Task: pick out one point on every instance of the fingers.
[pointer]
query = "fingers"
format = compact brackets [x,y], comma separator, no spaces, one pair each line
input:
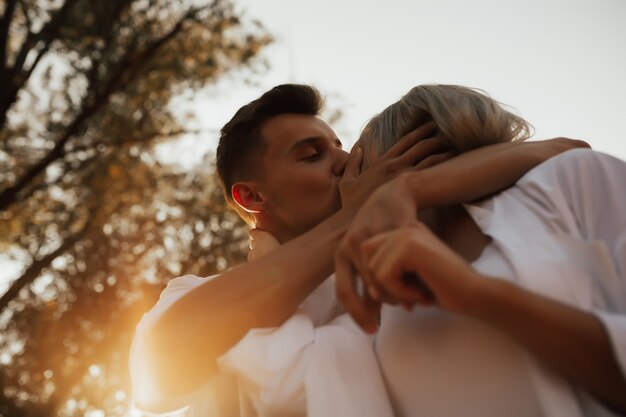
[363,312]
[391,257]
[373,309]
[388,266]
[411,279]
[374,291]
[386,263]
[410,139]
[353,249]
[421,151]
[354,163]
[433,160]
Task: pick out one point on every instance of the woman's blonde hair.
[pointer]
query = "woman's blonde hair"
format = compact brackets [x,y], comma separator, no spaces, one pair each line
[466,119]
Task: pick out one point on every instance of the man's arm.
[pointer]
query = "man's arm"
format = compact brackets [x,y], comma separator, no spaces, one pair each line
[185,341]
[192,333]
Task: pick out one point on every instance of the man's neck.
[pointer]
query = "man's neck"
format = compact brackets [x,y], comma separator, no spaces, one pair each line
[283,233]
[280,234]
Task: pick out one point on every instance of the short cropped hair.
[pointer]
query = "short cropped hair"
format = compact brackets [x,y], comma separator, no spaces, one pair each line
[241,146]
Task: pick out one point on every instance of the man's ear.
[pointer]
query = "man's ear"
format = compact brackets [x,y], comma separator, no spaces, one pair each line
[247,196]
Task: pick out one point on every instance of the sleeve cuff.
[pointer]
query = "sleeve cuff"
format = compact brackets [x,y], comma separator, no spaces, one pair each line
[300,369]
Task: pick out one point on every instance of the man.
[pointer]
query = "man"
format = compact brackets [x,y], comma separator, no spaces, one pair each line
[284,170]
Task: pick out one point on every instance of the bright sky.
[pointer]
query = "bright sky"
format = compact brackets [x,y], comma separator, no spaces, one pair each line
[560,63]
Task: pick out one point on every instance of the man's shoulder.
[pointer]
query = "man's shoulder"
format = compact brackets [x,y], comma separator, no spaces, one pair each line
[185,282]
[189,279]
[174,290]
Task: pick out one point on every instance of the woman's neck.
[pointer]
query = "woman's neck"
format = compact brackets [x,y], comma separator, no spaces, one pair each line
[458,230]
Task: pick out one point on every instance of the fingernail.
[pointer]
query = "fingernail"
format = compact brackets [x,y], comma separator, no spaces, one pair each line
[371,328]
[373,292]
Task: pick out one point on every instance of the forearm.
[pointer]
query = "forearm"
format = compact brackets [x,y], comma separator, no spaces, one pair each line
[571,341]
[211,318]
[482,172]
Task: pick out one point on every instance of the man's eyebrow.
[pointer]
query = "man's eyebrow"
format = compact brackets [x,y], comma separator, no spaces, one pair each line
[303,142]
[310,141]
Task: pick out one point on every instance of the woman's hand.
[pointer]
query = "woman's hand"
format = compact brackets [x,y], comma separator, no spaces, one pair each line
[412,265]
[398,258]
[389,207]
[417,150]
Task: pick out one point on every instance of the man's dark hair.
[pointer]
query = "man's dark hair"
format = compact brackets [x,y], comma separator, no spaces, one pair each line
[241,144]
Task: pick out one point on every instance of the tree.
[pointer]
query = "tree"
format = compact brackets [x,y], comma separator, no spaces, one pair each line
[98,222]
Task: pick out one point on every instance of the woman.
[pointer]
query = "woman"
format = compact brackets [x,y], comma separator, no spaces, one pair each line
[547,336]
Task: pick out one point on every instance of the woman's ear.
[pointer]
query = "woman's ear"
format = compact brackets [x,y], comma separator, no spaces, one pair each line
[247,196]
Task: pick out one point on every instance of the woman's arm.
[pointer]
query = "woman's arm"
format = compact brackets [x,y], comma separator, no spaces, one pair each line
[476,174]
[571,341]
[482,172]
[587,347]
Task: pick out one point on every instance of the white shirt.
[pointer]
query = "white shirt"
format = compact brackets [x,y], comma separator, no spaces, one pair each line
[437,363]
[561,232]
[319,363]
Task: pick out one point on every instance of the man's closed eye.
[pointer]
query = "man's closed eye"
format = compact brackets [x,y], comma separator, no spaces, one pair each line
[313,156]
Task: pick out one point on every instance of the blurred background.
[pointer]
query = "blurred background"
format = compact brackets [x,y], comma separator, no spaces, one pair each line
[109,117]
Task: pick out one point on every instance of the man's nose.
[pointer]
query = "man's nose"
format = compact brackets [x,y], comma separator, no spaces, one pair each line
[339,165]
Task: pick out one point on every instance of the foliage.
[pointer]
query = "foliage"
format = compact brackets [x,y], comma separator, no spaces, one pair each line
[98,222]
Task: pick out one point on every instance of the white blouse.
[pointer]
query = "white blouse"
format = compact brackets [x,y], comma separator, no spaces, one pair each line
[560,232]
[440,364]
[319,363]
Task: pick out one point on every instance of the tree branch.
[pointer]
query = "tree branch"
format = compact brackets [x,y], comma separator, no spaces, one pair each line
[34,270]
[127,70]
[5,23]
[92,74]
[28,192]
[48,33]
[15,76]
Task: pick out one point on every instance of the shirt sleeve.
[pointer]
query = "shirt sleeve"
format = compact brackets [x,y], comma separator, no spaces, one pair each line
[593,186]
[299,369]
[145,396]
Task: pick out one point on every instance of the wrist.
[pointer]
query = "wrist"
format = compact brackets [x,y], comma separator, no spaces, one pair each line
[416,184]
[404,185]
[344,216]
[490,295]
[339,222]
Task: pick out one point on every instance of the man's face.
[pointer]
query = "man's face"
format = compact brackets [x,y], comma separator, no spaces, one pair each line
[302,165]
